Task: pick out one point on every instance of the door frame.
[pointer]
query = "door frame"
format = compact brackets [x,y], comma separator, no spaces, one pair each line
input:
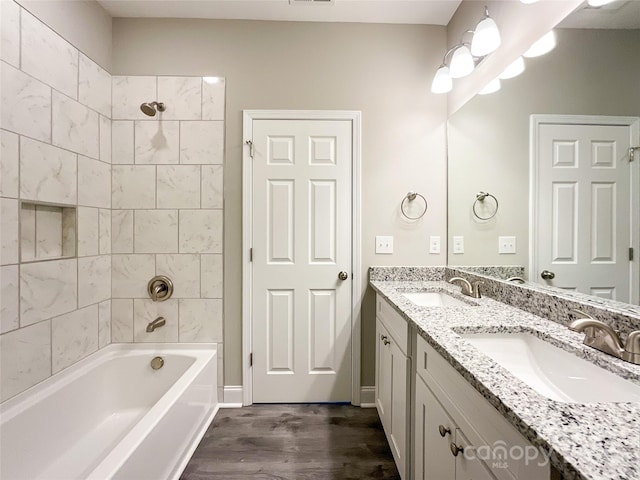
[248,116]
[633,123]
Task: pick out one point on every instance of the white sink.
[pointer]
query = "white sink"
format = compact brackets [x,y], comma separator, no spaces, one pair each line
[434,299]
[553,372]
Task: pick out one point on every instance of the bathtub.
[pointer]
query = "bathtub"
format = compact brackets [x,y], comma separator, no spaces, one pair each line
[112,416]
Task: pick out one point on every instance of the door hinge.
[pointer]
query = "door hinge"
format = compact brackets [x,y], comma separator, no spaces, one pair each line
[251,359]
[250,144]
[251,254]
[631,254]
[632,153]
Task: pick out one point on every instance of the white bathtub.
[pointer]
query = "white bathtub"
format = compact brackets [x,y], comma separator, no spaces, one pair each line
[112,416]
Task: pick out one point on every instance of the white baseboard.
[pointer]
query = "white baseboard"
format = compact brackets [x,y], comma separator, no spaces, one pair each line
[232,397]
[368,397]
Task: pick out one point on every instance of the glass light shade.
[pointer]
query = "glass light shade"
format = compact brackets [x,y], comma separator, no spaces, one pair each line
[542,46]
[599,3]
[442,82]
[486,38]
[528,1]
[212,80]
[513,70]
[462,63]
[492,87]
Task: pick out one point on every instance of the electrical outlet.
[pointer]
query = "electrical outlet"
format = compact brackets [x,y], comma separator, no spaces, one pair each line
[384,244]
[458,244]
[506,244]
[434,244]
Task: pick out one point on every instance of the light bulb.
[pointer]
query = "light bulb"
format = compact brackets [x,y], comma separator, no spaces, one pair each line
[492,87]
[442,82]
[462,63]
[486,37]
[542,46]
[599,3]
[513,70]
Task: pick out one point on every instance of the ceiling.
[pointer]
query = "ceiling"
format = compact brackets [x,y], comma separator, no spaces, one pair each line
[429,12]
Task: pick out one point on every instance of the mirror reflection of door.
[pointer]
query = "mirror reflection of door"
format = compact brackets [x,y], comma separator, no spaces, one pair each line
[585,204]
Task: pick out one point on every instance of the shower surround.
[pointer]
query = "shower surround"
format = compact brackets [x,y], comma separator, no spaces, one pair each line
[144,195]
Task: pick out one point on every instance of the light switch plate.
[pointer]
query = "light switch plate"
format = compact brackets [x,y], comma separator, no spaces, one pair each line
[434,244]
[384,244]
[458,244]
[506,245]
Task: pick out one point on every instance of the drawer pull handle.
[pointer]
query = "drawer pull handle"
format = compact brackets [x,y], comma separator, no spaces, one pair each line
[444,431]
[455,449]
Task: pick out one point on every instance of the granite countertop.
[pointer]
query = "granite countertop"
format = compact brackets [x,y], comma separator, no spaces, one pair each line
[594,441]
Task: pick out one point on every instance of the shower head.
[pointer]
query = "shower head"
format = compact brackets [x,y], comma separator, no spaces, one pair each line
[150,108]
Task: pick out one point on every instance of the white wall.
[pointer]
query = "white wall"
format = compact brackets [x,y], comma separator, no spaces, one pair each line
[383,70]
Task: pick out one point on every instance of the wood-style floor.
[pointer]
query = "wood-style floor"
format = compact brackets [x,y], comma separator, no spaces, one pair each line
[293,442]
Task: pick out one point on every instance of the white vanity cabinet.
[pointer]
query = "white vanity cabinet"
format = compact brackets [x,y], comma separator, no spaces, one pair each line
[392,374]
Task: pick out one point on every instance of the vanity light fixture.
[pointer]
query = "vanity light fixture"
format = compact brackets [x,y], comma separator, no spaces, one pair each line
[442,82]
[486,36]
[492,87]
[527,2]
[542,46]
[513,70]
[599,3]
[462,63]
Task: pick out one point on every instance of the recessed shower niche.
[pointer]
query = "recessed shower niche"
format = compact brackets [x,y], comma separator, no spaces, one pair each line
[47,231]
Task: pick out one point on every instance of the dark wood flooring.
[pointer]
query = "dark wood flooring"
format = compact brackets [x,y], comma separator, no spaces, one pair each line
[293,442]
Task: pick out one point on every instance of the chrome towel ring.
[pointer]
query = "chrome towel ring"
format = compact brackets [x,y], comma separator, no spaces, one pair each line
[411,196]
[481,197]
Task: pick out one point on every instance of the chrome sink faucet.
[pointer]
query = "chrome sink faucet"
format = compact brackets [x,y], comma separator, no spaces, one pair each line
[602,337]
[467,289]
[157,323]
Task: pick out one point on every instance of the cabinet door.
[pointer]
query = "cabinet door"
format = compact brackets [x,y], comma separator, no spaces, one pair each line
[398,405]
[468,467]
[383,376]
[433,459]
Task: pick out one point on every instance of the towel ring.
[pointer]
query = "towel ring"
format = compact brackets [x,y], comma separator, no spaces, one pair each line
[480,197]
[411,196]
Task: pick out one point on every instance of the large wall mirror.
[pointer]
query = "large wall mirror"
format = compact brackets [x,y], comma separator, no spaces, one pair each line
[591,77]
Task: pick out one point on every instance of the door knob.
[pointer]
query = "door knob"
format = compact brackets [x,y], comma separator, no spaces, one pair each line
[443,430]
[456,449]
[547,275]
[343,275]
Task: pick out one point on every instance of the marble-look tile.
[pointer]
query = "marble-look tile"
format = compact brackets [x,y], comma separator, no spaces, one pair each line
[9,298]
[104,323]
[121,320]
[88,231]
[69,232]
[73,337]
[200,231]
[94,87]
[202,142]
[105,139]
[211,275]
[9,231]
[122,142]
[213,98]
[182,95]
[48,57]
[25,358]
[10,32]
[178,186]
[26,104]
[128,92]
[94,183]
[122,231]
[157,142]
[47,289]
[27,231]
[74,126]
[200,320]
[48,232]
[104,231]
[212,186]
[9,163]
[155,231]
[48,174]
[130,275]
[184,271]
[94,280]
[145,311]
[133,186]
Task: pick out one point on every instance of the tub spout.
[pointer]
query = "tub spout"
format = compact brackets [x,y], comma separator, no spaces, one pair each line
[157,323]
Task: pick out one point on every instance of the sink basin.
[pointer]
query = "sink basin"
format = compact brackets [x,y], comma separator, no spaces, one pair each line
[553,372]
[434,299]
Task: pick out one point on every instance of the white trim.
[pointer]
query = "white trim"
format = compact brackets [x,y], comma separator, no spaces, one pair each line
[232,396]
[248,116]
[634,125]
[368,396]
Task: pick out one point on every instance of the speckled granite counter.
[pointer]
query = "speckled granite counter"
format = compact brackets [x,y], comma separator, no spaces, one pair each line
[585,441]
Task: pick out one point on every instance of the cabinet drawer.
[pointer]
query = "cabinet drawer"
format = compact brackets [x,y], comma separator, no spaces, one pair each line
[395,324]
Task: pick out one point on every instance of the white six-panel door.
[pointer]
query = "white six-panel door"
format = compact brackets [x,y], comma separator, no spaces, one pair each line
[301,306]
[585,208]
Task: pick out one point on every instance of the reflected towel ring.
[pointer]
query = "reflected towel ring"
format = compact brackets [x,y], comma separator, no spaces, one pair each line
[480,197]
[411,196]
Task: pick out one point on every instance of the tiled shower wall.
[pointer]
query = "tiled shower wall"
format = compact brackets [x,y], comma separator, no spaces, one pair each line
[56,157]
[167,208]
